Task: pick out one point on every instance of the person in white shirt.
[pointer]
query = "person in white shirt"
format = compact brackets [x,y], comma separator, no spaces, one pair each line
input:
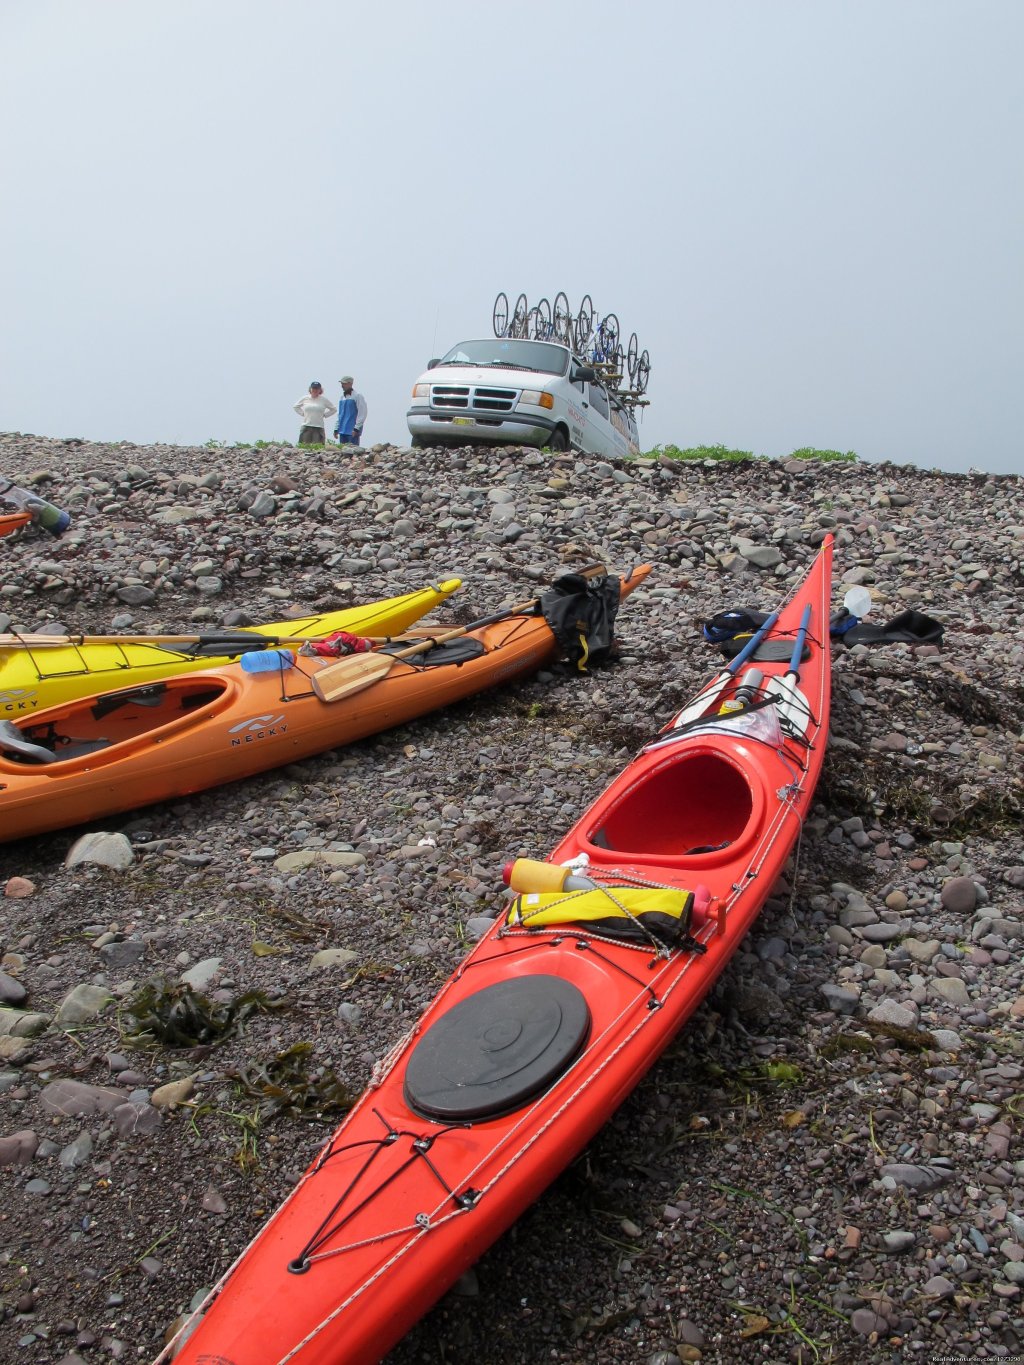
[314,409]
[346,383]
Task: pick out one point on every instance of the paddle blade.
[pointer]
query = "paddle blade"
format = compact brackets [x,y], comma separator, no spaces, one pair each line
[351,675]
[790,703]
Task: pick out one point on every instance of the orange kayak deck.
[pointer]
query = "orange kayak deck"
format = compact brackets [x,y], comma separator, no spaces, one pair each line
[542,1031]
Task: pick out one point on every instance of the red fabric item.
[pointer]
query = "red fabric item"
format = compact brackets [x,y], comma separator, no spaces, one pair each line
[341,642]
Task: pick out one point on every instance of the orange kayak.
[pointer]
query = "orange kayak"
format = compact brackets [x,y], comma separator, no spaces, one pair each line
[116,751]
[549,1023]
[13,521]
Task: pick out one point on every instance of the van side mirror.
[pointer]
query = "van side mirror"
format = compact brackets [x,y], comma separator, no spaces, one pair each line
[586,372]
[433,364]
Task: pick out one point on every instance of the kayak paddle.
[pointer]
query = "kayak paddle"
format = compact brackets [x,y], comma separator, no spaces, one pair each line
[358,671]
[790,702]
[721,681]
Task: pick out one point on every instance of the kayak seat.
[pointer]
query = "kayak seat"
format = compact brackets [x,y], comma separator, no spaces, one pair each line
[699,805]
[77,748]
[14,744]
[497,1050]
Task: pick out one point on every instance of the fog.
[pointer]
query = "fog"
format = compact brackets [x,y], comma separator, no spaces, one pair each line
[809,212]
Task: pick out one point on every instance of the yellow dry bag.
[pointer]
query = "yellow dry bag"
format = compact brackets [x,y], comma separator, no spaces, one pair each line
[628,912]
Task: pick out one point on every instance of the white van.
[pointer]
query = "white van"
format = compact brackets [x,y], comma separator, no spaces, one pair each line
[504,391]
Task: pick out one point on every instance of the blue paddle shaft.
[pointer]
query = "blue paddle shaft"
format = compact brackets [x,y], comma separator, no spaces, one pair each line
[755,639]
[801,636]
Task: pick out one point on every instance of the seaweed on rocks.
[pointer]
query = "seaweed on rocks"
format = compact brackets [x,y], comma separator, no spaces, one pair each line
[287,1084]
[295,925]
[174,1015]
[873,1035]
[852,783]
[960,698]
[924,801]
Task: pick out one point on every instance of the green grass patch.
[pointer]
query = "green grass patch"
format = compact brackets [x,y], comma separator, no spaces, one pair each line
[720,452]
[700,453]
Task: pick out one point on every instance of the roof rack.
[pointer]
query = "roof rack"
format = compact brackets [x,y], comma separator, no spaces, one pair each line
[596,343]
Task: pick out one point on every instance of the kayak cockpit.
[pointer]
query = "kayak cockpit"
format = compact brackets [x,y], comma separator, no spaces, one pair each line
[699,807]
[93,725]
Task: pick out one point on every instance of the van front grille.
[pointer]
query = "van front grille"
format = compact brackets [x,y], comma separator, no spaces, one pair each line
[466,398]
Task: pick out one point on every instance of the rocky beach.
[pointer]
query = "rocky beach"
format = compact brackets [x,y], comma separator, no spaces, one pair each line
[827,1164]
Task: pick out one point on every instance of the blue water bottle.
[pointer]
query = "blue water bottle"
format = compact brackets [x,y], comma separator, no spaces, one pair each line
[267,660]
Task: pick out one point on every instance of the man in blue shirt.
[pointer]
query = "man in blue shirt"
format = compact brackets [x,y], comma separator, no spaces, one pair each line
[350,419]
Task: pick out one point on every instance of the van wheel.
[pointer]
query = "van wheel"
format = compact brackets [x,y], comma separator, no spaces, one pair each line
[559,439]
[418,442]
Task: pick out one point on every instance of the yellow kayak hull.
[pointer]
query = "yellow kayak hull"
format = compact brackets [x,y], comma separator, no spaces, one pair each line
[33,677]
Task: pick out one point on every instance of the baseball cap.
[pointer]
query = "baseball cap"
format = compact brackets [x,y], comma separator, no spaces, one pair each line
[315,384]
[346,379]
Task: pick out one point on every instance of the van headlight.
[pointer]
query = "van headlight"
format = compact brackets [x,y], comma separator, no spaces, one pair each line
[537,398]
[421,391]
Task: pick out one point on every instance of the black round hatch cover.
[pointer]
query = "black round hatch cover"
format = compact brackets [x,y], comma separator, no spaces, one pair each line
[492,1053]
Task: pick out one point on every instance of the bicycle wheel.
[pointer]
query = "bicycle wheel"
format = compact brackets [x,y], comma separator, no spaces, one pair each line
[500,315]
[618,362]
[519,316]
[584,323]
[643,372]
[610,331]
[561,319]
[542,327]
[631,356]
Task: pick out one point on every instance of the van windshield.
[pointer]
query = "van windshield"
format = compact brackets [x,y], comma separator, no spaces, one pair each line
[516,355]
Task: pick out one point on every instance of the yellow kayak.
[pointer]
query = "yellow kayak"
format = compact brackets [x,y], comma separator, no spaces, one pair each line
[36,675]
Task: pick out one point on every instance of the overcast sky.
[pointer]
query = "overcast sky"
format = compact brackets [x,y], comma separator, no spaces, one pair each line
[810,211]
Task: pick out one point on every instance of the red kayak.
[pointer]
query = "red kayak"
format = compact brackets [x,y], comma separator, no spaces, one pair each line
[585,977]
